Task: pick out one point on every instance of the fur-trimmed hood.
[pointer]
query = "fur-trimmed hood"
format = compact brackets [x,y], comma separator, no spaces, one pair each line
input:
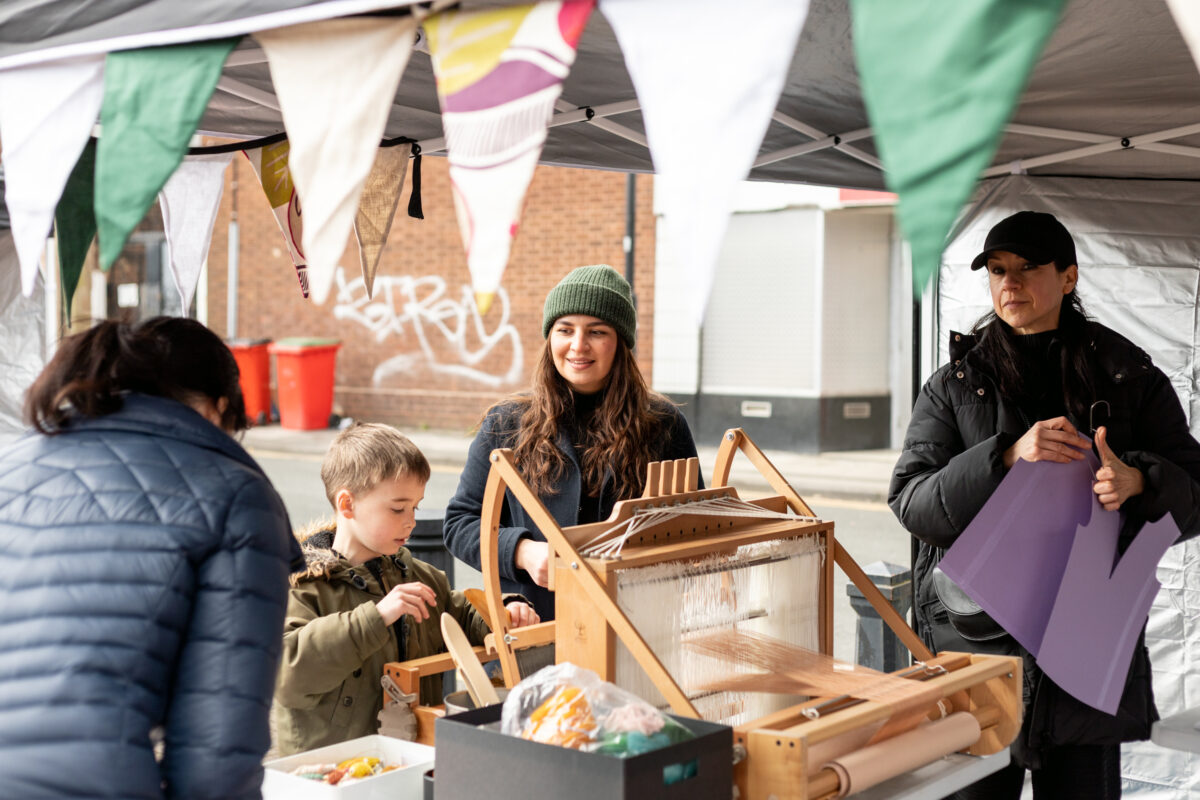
[322,562]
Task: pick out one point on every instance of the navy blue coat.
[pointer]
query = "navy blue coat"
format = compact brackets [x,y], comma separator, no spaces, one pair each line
[461,529]
[144,562]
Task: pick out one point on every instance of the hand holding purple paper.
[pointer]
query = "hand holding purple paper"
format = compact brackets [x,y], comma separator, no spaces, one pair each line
[1116,481]
[1039,558]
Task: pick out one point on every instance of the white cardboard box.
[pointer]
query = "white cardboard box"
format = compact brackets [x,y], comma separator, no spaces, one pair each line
[401,784]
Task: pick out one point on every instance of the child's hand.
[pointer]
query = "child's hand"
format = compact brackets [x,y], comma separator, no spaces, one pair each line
[521,614]
[407,598]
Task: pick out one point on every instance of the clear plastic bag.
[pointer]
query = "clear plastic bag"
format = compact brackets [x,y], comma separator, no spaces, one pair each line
[569,706]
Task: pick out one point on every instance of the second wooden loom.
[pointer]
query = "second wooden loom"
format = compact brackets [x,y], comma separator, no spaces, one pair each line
[789,749]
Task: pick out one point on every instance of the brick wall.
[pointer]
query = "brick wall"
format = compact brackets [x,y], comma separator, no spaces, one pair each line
[413,354]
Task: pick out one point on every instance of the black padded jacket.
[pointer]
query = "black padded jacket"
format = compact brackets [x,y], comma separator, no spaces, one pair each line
[953,461]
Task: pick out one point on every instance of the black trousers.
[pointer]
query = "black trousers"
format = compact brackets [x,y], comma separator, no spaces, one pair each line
[1080,772]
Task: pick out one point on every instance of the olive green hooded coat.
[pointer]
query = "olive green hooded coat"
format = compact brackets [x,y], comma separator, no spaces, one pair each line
[335,643]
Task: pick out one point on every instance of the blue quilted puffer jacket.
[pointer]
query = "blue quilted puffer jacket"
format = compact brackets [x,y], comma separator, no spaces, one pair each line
[144,562]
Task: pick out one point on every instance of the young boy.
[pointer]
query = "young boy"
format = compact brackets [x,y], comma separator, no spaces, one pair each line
[363,600]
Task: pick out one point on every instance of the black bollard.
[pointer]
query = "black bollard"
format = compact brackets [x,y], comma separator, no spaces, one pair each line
[876,646]
[427,544]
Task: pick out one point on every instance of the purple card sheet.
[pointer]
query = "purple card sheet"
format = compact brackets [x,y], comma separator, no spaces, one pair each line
[1011,557]
[1100,610]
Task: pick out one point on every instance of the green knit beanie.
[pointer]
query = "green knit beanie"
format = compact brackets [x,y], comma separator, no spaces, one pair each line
[597,291]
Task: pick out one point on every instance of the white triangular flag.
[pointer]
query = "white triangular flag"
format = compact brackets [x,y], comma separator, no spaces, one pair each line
[189,205]
[377,207]
[1187,19]
[47,113]
[336,81]
[707,99]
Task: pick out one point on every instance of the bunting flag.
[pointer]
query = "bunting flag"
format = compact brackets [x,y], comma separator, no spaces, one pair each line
[23,332]
[707,99]
[336,81]
[189,204]
[46,117]
[1187,19]
[271,166]
[377,207]
[938,118]
[75,222]
[153,101]
[499,73]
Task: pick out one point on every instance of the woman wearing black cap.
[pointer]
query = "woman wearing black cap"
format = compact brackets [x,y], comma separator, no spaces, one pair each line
[581,437]
[1034,373]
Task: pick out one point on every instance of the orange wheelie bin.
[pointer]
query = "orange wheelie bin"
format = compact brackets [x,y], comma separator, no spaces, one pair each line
[304,370]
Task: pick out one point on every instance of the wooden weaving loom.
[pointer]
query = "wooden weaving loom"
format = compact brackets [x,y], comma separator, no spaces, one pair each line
[826,741]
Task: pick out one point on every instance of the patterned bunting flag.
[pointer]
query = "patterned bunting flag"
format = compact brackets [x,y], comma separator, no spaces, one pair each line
[75,222]
[377,207]
[47,113]
[499,72]
[1187,19]
[707,99]
[189,205]
[271,165]
[336,81]
[938,116]
[153,101]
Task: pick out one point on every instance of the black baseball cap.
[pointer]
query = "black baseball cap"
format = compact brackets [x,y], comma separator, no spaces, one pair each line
[1033,235]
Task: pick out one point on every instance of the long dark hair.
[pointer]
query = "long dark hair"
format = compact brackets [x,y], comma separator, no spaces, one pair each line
[163,356]
[999,349]
[621,435]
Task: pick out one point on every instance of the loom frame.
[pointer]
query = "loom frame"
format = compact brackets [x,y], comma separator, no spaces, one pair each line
[770,752]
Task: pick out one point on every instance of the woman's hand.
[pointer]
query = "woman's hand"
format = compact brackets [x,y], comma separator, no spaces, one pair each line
[534,558]
[1116,481]
[407,598]
[1049,440]
[521,614]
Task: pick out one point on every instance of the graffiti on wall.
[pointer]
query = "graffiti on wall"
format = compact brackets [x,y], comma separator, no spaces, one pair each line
[420,311]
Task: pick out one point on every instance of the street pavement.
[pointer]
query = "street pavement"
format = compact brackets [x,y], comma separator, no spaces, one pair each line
[856,475]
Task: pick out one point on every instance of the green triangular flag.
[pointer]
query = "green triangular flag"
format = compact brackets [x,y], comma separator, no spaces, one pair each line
[75,222]
[153,101]
[940,80]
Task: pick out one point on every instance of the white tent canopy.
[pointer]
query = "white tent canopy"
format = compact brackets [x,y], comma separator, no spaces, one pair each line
[1115,93]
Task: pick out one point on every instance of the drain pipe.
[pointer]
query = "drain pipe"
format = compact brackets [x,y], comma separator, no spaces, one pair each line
[231,275]
[630,229]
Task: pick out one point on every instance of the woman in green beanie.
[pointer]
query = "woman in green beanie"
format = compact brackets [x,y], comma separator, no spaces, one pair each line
[582,435]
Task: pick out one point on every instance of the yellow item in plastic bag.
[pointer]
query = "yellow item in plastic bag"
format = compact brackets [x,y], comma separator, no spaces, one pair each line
[564,719]
[359,767]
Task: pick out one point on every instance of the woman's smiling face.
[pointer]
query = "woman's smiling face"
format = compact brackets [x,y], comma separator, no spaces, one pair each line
[1028,296]
[583,349]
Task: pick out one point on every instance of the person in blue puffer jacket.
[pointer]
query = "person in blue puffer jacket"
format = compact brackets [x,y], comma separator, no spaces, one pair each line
[144,561]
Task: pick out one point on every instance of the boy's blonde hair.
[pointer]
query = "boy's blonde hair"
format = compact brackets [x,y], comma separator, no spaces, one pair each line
[368,453]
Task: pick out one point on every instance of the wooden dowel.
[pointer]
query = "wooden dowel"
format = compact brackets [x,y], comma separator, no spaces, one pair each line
[825,782]
[692,479]
[653,475]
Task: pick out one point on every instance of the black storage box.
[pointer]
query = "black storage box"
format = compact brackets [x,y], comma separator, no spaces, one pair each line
[474,759]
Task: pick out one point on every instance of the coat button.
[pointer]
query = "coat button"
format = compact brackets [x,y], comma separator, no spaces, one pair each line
[347,701]
[979,391]
[358,672]
[958,337]
[958,375]
[1118,376]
